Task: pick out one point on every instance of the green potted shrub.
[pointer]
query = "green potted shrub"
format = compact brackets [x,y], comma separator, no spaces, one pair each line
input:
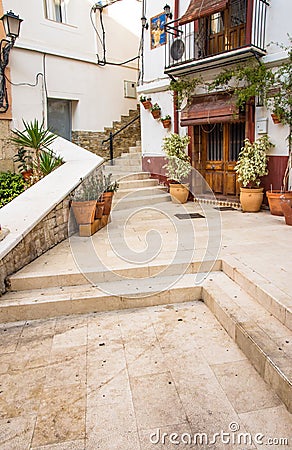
[84,202]
[155,111]
[178,166]
[250,167]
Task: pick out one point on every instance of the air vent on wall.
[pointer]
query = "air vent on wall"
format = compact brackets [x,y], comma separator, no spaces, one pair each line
[177,49]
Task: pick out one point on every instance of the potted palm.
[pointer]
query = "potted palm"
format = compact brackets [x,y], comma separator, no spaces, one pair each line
[251,166]
[34,136]
[177,167]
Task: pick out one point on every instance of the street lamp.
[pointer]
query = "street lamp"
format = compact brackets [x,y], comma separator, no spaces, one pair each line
[144,23]
[167,11]
[11,24]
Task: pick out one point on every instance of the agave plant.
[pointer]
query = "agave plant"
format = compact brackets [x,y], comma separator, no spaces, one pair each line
[49,161]
[34,136]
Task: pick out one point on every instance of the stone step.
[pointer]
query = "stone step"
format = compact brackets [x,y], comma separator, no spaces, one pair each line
[133,155]
[127,162]
[133,184]
[277,302]
[264,340]
[120,172]
[137,192]
[29,281]
[130,202]
[135,149]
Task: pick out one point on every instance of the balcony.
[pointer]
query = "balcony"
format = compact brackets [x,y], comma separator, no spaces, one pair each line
[207,37]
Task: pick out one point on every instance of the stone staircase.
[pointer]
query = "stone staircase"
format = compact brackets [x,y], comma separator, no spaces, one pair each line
[136,188]
[92,140]
[262,334]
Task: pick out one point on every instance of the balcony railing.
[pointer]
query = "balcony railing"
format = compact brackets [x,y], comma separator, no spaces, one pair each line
[241,26]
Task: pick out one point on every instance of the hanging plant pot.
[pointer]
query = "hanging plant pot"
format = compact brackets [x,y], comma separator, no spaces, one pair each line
[251,199]
[179,192]
[147,104]
[276,119]
[84,212]
[166,123]
[156,113]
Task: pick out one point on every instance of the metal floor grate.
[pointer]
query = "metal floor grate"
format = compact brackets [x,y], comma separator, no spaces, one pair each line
[189,216]
[224,208]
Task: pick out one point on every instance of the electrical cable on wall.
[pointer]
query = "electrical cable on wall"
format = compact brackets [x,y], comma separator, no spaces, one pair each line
[103,61]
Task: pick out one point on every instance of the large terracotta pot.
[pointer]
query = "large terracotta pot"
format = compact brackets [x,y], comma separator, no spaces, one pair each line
[99,210]
[286,206]
[251,199]
[107,198]
[179,192]
[84,212]
[275,201]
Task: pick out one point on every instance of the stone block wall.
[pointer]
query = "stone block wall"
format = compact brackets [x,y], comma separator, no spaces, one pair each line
[51,230]
[7,148]
[92,140]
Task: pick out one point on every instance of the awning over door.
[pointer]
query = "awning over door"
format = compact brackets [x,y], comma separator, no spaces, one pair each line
[202,8]
[213,108]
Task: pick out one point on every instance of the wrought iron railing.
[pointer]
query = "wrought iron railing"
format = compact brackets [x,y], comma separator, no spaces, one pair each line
[197,40]
[112,135]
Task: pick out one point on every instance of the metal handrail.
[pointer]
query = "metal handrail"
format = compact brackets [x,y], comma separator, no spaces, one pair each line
[112,135]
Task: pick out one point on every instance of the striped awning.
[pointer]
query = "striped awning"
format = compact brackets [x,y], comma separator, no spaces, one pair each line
[211,108]
[202,8]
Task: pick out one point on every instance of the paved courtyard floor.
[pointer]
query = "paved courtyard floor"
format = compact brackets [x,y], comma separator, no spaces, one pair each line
[129,380]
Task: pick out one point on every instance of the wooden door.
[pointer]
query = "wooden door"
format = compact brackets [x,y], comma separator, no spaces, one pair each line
[216,156]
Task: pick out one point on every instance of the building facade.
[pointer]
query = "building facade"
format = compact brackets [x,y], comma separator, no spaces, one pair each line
[202,38]
[64,68]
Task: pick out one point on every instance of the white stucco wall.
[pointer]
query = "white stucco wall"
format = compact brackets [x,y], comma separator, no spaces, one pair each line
[71,64]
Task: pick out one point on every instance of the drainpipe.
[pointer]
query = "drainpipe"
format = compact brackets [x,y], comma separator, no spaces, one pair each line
[175,112]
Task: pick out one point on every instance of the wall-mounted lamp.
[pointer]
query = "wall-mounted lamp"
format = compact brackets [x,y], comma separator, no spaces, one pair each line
[167,11]
[103,4]
[144,23]
[11,24]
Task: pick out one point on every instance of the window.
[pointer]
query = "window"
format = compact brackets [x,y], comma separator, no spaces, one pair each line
[217,23]
[56,10]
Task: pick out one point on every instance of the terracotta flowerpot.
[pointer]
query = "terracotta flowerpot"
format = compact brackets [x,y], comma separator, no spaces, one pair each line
[156,113]
[107,198]
[147,104]
[276,119]
[275,201]
[166,123]
[84,212]
[27,174]
[179,192]
[287,210]
[99,210]
[251,199]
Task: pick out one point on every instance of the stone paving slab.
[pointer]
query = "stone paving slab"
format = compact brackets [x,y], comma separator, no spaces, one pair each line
[114,380]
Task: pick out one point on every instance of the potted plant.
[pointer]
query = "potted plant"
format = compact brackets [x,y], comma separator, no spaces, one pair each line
[250,167]
[286,206]
[178,166]
[34,136]
[25,165]
[155,111]
[84,202]
[146,102]
[110,187]
[166,121]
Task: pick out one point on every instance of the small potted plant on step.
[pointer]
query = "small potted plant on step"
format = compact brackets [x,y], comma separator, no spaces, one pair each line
[84,202]
[251,166]
[155,111]
[177,167]
[166,121]
[146,102]
[110,187]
